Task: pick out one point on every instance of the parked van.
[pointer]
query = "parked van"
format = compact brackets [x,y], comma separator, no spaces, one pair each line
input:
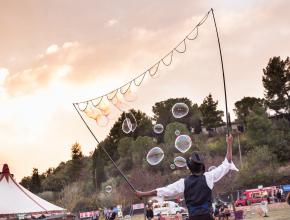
[166,208]
[252,196]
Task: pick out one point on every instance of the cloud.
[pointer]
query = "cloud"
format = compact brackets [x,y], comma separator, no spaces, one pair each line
[52,49]
[111,23]
[79,63]
[3,74]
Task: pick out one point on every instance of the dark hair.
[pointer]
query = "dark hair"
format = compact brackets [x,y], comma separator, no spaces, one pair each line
[196,167]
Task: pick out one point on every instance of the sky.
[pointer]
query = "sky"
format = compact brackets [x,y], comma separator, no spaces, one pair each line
[54,53]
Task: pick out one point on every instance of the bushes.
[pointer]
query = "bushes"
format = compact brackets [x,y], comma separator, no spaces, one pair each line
[259,166]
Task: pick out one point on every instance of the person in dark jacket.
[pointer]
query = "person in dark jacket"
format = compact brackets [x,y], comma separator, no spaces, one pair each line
[149,212]
[197,188]
[113,214]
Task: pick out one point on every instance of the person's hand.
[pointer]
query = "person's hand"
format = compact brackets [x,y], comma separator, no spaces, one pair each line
[230,139]
[139,194]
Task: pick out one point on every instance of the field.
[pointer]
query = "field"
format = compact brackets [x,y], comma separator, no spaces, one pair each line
[276,212]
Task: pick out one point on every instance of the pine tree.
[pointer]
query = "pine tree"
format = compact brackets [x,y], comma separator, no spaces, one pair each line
[276,81]
[76,162]
[35,185]
[211,117]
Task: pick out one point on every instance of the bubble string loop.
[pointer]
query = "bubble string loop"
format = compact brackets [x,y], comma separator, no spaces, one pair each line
[148,71]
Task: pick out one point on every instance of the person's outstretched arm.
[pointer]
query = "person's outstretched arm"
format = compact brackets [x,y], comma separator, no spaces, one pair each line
[229,148]
[216,174]
[141,194]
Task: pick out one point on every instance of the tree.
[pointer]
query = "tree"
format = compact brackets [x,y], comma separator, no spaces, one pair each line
[76,151]
[54,182]
[35,185]
[280,139]
[260,166]
[140,148]
[245,106]
[276,81]
[98,164]
[258,127]
[26,182]
[76,162]
[170,135]
[144,128]
[211,117]
[125,147]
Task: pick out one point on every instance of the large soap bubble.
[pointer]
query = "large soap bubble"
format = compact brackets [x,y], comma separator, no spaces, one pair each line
[183,143]
[130,96]
[158,128]
[102,120]
[127,126]
[108,189]
[155,156]
[179,161]
[179,110]
[132,120]
[211,168]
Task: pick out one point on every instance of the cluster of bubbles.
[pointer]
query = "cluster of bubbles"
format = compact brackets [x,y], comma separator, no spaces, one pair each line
[182,142]
[102,108]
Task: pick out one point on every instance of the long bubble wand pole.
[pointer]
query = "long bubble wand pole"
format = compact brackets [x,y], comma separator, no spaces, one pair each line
[111,159]
[223,72]
[225,93]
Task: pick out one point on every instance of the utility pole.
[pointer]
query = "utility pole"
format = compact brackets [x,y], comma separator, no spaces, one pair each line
[240,152]
[96,178]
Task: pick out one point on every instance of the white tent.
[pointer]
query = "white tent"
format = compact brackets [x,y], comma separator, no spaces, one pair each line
[15,199]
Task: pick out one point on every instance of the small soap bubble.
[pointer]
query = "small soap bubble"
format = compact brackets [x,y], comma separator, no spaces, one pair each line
[158,128]
[127,126]
[179,110]
[108,189]
[172,166]
[183,143]
[179,161]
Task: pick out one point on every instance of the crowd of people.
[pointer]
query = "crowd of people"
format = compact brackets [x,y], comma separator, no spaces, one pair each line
[108,214]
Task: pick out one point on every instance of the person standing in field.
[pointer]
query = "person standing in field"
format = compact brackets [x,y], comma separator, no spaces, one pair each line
[197,188]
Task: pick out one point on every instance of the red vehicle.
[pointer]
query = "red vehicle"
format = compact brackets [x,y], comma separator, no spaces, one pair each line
[255,196]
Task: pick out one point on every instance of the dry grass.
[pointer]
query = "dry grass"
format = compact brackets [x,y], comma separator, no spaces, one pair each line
[276,212]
